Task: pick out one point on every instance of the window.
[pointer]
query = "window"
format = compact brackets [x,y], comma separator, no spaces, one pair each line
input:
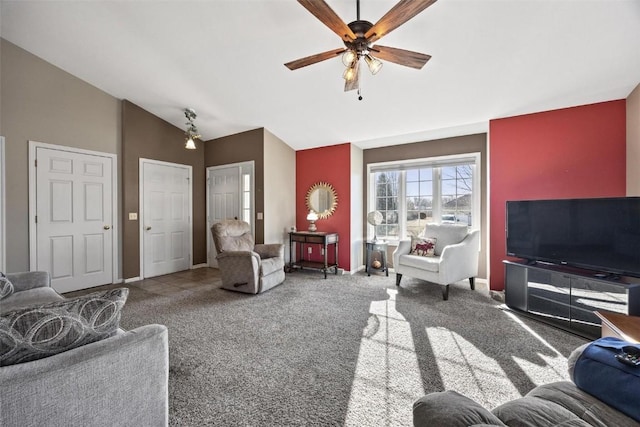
[411,194]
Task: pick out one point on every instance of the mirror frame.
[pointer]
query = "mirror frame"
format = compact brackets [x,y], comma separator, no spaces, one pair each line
[334,199]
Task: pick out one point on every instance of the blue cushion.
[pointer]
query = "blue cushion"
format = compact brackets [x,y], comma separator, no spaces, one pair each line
[599,373]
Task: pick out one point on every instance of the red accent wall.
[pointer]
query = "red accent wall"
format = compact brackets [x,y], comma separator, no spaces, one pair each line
[576,152]
[331,164]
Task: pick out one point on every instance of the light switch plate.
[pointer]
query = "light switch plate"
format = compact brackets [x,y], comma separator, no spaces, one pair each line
[133,216]
[259,215]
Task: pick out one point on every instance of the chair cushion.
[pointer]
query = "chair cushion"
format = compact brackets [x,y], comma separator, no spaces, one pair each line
[43,330]
[446,234]
[232,235]
[421,262]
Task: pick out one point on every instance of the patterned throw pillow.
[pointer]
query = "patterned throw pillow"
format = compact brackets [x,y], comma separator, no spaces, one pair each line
[40,331]
[6,287]
[423,246]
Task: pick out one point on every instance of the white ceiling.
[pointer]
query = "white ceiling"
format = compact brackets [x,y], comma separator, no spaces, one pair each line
[224,58]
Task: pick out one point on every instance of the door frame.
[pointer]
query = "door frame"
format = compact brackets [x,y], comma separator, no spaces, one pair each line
[239,165]
[33,237]
[141,163]
[3,205]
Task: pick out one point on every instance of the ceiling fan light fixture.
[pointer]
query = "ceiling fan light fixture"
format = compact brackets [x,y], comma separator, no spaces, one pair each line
[192,131]
[350,73]
[348,57]
[374,64]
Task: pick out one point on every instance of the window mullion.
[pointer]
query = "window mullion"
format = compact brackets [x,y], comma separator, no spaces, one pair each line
[437,194]
[402,205]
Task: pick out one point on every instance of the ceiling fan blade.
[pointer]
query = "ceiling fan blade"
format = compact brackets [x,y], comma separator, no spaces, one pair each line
[308,60]
[355,82]
[407,58]
[398,15]
[328,17]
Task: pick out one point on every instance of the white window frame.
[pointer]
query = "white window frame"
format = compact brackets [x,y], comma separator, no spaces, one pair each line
[434,162]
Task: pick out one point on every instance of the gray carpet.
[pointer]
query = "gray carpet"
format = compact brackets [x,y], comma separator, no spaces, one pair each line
[349,350]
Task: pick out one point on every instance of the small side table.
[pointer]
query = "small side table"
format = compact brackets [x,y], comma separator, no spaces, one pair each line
[620,325]
[372,248]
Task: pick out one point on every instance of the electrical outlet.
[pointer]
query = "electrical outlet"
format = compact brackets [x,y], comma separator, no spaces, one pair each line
[309,249]
[322,251]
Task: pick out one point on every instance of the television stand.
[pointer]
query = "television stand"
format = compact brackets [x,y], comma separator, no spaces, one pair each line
[568,297]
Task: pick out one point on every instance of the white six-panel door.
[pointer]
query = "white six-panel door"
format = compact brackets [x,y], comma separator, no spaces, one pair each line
[74,218]
[224,200]
[166,222]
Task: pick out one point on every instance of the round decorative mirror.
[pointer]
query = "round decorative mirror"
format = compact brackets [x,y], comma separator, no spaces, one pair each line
[322,199]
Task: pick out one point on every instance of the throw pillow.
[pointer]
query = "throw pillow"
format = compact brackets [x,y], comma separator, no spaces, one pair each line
[6,287]
[423,246]
[40,331]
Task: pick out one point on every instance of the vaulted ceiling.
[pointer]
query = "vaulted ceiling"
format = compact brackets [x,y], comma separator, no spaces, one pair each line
[224,58]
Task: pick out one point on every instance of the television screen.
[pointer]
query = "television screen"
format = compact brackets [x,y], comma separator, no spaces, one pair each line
[599,234]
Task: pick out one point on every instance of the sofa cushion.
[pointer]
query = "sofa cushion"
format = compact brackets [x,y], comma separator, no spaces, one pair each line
[46,329]
[451,409]
[446,234]
[421,262]
[32,297]
[6,287]
[423,246]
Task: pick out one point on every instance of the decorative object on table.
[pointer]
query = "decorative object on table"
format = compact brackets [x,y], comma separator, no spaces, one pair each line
[192,131]
[375,218]
[322,199]
[358,36]
[312,217]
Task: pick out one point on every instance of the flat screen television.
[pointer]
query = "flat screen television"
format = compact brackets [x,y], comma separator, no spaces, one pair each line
[601,234]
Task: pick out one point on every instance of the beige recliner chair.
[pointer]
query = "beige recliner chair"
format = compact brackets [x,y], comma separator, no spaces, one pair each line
[455,257]
[245,266]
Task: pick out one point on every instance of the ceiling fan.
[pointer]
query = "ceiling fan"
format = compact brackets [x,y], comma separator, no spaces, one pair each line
[358,37]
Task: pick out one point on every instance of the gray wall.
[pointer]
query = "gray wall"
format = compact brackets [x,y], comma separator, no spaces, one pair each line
[41,102]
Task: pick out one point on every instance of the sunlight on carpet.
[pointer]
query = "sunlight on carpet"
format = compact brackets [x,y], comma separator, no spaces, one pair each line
[387,375]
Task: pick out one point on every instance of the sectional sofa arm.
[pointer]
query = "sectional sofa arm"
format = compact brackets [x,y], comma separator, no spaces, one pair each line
[29,280]
[121,380]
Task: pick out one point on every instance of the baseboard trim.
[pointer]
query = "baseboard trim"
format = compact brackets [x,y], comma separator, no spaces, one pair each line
[193,267]
[132,279]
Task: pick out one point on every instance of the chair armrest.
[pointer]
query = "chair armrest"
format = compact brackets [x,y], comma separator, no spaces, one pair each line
[451,409]
[29,280]
[460,261]
[270,250]
[403,248]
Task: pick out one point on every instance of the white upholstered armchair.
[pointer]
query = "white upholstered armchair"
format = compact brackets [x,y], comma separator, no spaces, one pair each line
[245,266]
[454,256]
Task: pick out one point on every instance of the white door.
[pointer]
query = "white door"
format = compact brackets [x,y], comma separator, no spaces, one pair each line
[224,201]
[166,222]
[74,218]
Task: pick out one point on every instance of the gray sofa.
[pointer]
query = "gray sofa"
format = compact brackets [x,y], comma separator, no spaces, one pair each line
[120,380]
[556,404]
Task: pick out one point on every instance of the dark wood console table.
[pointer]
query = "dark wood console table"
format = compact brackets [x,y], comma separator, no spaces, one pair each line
[304,238]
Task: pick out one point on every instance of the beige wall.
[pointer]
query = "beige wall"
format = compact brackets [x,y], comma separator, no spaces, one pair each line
[440,147]
[357,209]
[40,102]
[633,143]
[280,194]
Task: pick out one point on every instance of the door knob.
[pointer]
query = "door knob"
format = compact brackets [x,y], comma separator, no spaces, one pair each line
[147,228]
[107,227]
